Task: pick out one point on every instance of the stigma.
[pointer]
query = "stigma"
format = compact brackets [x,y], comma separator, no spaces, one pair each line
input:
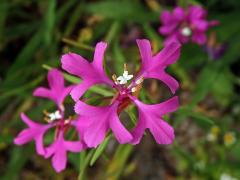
[50,117]
[122,80]
[186,31]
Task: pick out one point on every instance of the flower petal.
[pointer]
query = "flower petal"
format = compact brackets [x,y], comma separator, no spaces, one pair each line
[166,79]
[144,47]
[200,25]
[58,150]
[196,12]
[199,37]
[96,132]
[162,132]
[86,110]
[150,116]
[165,17]
[138,131]
[43,92]
[153,67]
[178,13]
[57,91]
[80,89]
[167,29]
[59,159]
[174,37]
[90,73]
[99,56]
[101,119]
[213,23]
[168,55]
[76,65]
[119,131]
[34,132]
[55,79]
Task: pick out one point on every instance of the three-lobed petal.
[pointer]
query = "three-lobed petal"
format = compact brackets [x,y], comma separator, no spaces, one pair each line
[91,73]
[154,66]
[34,132]
[57,91]
[58,151]
[101,120]
[151,117]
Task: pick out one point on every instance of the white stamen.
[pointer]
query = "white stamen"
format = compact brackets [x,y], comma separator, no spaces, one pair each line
[54,116]
[124,78]
[139,81]
[186,31]
[133,89]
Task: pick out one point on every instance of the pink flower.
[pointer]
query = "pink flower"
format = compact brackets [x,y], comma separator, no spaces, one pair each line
[185,25]
[102,119]
[57,91]
[36,131]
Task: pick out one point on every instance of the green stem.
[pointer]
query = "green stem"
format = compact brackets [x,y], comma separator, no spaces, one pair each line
[77,44]
[84,164]
[112,32]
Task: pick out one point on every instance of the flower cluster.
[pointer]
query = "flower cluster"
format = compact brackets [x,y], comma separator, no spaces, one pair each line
[186,25]
[93,122]
[36,131]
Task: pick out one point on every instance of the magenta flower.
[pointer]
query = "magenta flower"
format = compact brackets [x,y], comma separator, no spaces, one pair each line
[36,131]
[57,91]
[184,25]
[102,119]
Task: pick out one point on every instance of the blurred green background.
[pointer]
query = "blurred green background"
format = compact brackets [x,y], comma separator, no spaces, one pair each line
[35,33]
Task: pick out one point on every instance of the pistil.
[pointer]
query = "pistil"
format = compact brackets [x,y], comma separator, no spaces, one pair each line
[50,117]
[186,31]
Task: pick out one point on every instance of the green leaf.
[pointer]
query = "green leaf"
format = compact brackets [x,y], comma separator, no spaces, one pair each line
[152,34]
[16,71]
[85,164]
[3,16]
[122,10]
[118,163]
[100,150]
[201,119]
[112,32]
[18,158]
[205,82]
[75,16]
[223,88]
[49,21]
[118,57]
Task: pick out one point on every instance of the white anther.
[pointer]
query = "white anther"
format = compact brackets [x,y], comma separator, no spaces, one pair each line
[55,115]
[133,89]
[124,78]
[139,81]
[186,31]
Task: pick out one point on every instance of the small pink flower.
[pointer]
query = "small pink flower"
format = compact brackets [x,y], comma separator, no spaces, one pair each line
[185,25]
[102,119]
[57,91]
[36,131]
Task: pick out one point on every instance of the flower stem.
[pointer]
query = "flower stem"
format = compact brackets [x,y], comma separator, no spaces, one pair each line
[84,161]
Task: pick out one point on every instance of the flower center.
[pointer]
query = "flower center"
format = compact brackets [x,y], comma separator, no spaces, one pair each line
[51,117]
[186,31]
[124,89]
[124,78]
